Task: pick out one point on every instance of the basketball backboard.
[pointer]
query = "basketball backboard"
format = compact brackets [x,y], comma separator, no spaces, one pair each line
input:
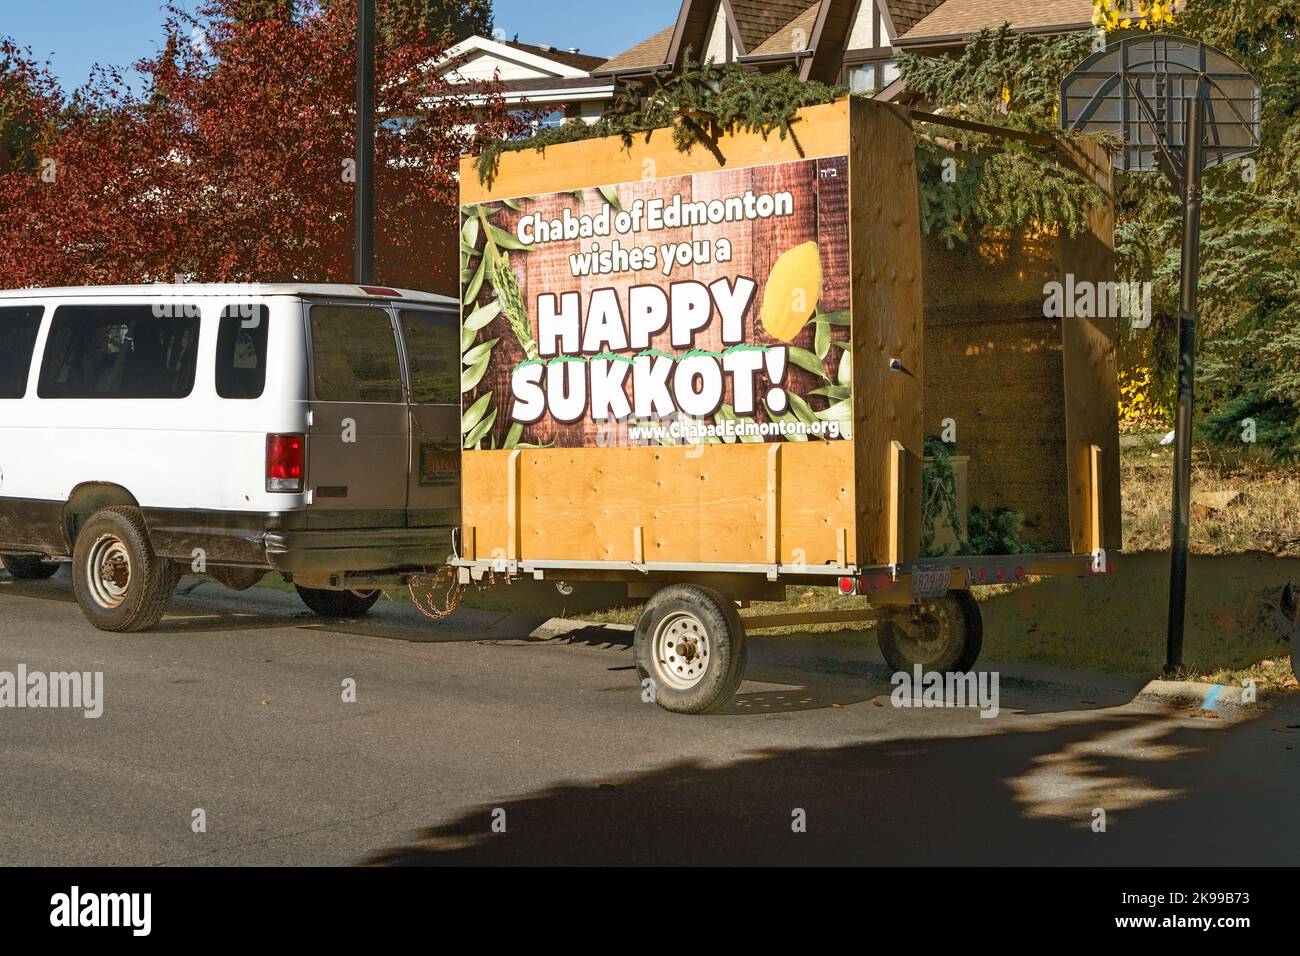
[1136,90]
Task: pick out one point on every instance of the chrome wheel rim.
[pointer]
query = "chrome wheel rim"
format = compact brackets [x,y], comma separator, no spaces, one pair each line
[108,571]
[681,650]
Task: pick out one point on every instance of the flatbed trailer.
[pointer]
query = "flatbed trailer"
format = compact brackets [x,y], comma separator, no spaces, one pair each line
[806,251]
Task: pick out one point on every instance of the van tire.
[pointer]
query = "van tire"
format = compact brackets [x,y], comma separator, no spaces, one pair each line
[337,603]
[712,625]
[26,567]
[115,540]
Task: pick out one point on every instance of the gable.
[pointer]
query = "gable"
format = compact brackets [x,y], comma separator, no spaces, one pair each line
[758,20]
[480,59]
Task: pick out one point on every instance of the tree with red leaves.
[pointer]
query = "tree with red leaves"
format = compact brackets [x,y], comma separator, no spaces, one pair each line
[235,162]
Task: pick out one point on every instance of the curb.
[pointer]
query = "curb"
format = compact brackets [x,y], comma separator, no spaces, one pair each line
[1210,698]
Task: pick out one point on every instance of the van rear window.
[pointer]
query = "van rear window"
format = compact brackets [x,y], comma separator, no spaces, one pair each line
[118,351]
[433,354]
[241,351]
[18,327]
[354,355]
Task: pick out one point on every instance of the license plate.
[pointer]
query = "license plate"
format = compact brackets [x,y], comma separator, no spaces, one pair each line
[439,465]
[929,582]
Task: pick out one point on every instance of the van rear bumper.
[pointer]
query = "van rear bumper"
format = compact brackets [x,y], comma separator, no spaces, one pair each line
[282,542]
[389,549]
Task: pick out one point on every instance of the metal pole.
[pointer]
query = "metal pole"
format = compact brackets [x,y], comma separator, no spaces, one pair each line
[1193,125]
[364,207]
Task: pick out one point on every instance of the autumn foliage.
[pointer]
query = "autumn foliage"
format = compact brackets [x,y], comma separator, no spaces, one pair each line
[231,160]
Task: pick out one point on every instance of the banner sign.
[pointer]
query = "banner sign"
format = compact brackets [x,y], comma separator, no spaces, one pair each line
[701,309]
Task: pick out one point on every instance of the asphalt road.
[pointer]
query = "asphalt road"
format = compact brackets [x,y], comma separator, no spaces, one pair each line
[235,706]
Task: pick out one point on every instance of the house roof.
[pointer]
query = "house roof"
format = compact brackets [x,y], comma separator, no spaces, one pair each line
[539,60]
[577,60]
[769,28]
[906,14]
[650,52]
[955,20]
[760,20]
[786,39]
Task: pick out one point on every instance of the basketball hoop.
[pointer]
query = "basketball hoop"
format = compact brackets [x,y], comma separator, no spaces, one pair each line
[1179,107]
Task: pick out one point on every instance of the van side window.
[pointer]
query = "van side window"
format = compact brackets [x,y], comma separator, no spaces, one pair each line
[354,355]
[119,351]
[241,351]
[433,355]
[18,327]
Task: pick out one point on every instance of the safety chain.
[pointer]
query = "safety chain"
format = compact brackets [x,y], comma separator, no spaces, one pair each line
[426,605]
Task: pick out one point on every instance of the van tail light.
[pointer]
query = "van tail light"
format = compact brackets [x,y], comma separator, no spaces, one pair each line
[285,456]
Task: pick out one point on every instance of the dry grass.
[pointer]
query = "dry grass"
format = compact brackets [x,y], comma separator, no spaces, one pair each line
[1265,517]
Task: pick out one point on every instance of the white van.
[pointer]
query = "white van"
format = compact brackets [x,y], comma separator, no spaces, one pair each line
[150,431]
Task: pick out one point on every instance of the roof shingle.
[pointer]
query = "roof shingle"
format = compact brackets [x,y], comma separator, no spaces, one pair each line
[758,20]
[964,17]
[579,61]
[786,39]
[652,51]
[908,13]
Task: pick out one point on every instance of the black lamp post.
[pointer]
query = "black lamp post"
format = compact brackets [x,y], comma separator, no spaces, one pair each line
[364,202]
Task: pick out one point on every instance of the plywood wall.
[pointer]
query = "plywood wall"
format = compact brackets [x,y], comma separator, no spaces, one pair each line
[885,270]
[1030,395]
[1091,369]
[789,503]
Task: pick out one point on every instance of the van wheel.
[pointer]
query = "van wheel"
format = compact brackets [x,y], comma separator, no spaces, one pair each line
[337,603]
[120,584]
[26,567]
[942,634]
[691,643]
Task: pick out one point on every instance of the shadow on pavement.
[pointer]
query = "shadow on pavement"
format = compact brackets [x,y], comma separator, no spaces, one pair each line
[1174,792]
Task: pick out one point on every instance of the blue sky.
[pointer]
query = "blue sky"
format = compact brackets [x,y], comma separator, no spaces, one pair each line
[75,34]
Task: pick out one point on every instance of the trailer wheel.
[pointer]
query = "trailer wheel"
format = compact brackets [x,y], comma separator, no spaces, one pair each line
[337,603]
[27,567]
[941,634]
[690,641]
[120,584]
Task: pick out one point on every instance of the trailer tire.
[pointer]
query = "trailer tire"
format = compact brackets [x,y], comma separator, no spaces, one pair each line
[120,584]
[27,567]
[338,603]
[941,634]
[707,677]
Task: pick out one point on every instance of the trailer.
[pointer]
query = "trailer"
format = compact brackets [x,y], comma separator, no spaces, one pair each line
[711,375]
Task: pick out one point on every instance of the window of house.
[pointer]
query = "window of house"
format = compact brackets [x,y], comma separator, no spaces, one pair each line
[538,119]
[870,76]
[862,79]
